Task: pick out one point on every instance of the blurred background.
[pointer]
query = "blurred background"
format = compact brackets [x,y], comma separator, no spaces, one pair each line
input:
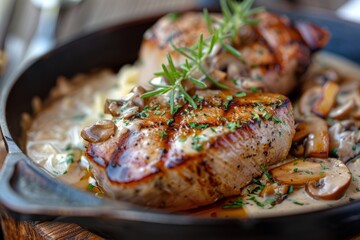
[29,28]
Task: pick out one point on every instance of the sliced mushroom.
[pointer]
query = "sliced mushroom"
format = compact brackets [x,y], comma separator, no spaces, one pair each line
[99,132]
[342,111]
[325,179]
[326,100]
[308,99]
[128,106]
[345,139]
[314,131]
[298,172]
[333,186]
[272,189]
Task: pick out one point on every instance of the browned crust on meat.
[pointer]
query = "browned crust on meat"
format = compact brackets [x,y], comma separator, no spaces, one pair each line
[221,168]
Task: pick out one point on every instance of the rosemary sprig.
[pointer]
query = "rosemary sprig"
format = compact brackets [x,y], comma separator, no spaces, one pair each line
[223,32]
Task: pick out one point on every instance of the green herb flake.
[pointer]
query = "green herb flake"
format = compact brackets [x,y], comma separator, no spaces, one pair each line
[276,119]
[323,166]
[298,203]
[170,121]
[198,126]
[238,203]
[291,189]
[69,158]
[173,16]
[68,147]
[267,115]
[257,182]
[90,187]
[163,135]
[354,148]
[254,89]
[233,126]
[268,201]
[229,97]
[240,94]
[334,152]
[256,116]
[267,174]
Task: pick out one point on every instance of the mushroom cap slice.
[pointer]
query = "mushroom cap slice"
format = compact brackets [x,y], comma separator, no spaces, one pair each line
[316,131]
[298,172]
[327,99]
[325,179]
[333,186]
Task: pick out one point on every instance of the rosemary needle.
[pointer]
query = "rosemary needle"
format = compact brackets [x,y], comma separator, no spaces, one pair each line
[222,32]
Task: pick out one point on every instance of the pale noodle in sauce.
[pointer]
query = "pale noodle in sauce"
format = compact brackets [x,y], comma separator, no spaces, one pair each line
[53,141]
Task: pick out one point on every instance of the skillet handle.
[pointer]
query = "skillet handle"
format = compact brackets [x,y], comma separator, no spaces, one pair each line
[28,192]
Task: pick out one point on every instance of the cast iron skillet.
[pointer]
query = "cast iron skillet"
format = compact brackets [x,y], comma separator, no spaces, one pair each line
[28,193]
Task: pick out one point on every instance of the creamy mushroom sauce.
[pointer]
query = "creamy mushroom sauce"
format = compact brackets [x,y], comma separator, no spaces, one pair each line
[53,141]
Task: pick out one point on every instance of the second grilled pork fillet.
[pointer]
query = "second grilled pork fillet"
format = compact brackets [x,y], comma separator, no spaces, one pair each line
[275,51]
[196,156]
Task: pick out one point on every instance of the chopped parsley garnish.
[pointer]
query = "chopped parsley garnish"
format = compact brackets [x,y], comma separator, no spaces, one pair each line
[268,201]
[276,119]
[323,166]
[257,182]
[267,115]
[238,203]
[68,147]
[163,135]
[267,174]
[256,116]
[357,189]
[198,141]
[90,187]
[254,89]
[354,148]
[213,130]
[170,121]
[143,114]
[198,126]
[229,97]
[173,16]
[334,152]
[69,158]
[298,203]
[240,94]
[233,126]
[291,189]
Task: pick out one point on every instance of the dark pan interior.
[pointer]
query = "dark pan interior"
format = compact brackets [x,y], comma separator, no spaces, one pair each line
[115,46]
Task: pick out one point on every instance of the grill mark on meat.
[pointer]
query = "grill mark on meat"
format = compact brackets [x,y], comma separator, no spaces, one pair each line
[133,167]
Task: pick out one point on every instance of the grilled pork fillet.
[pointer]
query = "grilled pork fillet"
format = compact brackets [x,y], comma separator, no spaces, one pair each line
[196,156]
[275,51]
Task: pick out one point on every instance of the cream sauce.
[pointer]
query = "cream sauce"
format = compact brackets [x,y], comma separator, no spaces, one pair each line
[54,142]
